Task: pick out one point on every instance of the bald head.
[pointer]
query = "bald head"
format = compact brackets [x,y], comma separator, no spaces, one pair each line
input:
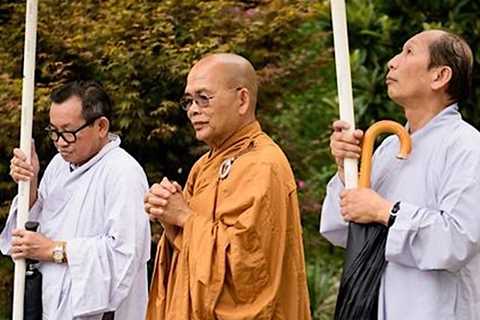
[232,71]
[220,97]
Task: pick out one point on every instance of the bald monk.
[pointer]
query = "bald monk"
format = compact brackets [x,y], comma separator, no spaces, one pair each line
[232,246]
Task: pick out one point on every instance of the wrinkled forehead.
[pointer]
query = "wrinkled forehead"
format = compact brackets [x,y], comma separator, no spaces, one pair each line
[207,77]
[424,39]
[69,111]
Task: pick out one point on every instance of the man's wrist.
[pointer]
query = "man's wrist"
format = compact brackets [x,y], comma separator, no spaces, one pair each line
[59,254]
[182,219]
[393,214]
[384,215]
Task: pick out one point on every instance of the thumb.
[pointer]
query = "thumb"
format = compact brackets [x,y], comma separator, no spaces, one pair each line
[178,186]
[168,185]
[33,148]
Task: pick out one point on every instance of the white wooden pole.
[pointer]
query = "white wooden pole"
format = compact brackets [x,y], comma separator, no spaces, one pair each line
[25,145]
[344,81]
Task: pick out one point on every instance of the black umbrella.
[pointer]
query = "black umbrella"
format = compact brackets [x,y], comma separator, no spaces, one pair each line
[32,305]
[365,253]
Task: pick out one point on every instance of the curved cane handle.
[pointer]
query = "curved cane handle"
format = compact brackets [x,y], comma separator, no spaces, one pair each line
[384,126]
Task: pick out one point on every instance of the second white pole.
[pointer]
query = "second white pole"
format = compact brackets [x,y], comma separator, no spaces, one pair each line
[344,81]
[28,86]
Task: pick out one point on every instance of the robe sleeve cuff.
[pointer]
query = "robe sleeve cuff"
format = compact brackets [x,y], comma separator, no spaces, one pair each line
[332,225]
[11,223]
[398,234]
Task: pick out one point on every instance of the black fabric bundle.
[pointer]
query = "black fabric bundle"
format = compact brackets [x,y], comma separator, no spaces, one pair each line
[32,305]
[362,272]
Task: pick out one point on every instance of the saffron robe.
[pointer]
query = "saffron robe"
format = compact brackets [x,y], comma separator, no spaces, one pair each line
[240,254]
[98,210]
[433,248]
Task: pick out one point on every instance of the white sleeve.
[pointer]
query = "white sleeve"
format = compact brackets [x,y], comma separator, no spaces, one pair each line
[332,225]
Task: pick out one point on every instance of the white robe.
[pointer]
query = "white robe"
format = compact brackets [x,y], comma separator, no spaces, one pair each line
[98,210]
[433,248]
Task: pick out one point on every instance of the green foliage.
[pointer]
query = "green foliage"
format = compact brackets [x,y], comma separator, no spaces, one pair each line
[141,51]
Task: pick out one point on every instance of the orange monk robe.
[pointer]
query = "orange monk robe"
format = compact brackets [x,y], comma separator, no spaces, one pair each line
[240,255]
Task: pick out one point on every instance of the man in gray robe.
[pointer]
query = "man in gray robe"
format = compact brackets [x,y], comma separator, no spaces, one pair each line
[94,237]
[430,200]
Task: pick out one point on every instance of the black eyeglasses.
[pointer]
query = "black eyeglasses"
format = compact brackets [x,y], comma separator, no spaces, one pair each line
[201,99]
[69,136]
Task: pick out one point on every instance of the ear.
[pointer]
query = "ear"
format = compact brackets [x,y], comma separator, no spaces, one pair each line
[441,77]
[103,126]
[244,101]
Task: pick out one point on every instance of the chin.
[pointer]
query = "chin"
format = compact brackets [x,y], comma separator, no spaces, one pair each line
[68,158]
[391,93]
[201,135]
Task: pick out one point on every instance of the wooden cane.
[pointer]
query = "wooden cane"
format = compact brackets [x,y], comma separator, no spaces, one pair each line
[384,126]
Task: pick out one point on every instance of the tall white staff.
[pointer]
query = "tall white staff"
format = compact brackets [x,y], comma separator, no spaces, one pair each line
[344,81]
[25,145]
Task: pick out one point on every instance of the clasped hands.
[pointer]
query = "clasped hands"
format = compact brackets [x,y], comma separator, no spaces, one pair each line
[361,205]
[164,202]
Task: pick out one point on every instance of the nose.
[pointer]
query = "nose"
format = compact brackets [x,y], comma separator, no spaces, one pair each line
[61,142]
[393,63]
[193,110]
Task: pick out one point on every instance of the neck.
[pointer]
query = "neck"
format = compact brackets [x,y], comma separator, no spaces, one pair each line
[420,113]
[102,143]
[215,145]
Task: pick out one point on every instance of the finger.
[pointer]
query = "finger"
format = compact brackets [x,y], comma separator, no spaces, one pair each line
[157,201]
[347,137]
[18,232]
[19,255]
[18,153]
[17,241]
[147,207]
[145,197]
[160,191]
[18,178]
[168,185]
[17,164]
[18,249]
[339,148]
[340,125]
[157,212]
[21,174]
[341,155]
[177,186]
[33,148]
[15,249]
[358,134]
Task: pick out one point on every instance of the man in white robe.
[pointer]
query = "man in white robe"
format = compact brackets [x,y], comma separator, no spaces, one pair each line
[429,201]
[94,237]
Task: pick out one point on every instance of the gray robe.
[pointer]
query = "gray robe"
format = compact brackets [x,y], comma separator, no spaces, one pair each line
[433,248]
[98,210]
